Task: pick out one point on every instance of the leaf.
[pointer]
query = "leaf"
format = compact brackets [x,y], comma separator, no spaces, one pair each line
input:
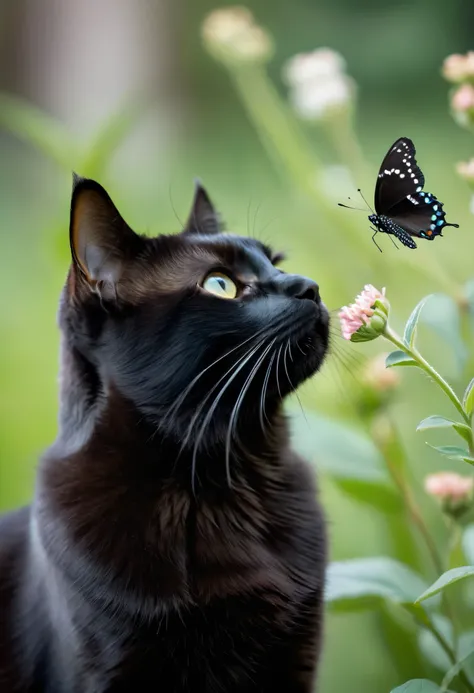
[451,451]
[441,422]
[410,328]
[417,686]
[464,660]
[430,647]
[349,458]
[468,398]
[366,581]
[399,358]
[446,579]
[467,542]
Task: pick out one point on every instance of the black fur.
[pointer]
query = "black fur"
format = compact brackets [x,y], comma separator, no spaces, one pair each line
[175,542]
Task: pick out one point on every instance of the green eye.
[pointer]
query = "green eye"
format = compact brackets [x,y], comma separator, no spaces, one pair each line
[220,285]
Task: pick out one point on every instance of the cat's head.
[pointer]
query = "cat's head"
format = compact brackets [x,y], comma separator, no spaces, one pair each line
[201,323]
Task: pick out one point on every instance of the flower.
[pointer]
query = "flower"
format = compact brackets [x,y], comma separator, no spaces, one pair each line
[462,105]
[378,377]
[466,170]
[231,35]
[452,490]
[318,83]
[366,318]
[463,98]
[459,68]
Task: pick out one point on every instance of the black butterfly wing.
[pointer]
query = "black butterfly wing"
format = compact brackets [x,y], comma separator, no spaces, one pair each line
[399,176]
[420,214]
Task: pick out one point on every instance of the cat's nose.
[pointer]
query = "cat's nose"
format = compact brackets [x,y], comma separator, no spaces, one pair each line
[296,286]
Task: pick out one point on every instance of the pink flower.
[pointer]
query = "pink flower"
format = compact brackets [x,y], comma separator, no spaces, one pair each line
[448,486]
[458,68]
[359,313]
[463,98]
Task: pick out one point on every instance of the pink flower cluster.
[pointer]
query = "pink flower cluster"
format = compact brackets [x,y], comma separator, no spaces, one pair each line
[355,315]
[448,486]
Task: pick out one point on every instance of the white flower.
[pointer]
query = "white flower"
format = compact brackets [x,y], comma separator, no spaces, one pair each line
[232,35]
[318,83]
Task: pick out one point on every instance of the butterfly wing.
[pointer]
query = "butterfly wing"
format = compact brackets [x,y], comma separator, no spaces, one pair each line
[399,176]
[420,214]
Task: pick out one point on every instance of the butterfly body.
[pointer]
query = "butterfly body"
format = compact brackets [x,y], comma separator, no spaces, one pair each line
[384,224]
[402,208]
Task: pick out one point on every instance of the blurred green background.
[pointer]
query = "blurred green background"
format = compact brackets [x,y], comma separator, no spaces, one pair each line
[80,62]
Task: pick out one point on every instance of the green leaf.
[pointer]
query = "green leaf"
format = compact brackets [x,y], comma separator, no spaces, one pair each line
[446,579]
[468,399]
[451,451]
[441,422]
[410,328]
[467,543]
[429,645]
[362,582]
[399,358]
[464,660]
[349,458]
[417,686]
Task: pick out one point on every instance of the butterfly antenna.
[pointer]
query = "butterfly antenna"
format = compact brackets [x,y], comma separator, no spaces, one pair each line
[357,209]
[362,196]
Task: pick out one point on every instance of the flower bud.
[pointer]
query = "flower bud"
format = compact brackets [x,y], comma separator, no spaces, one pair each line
[319,85]
[453,491]
[462,105]
[466,170]
[232,36]
[459,68]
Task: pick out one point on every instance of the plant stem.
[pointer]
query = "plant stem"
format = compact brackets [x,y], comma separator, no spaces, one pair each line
[451,654]
[424,365]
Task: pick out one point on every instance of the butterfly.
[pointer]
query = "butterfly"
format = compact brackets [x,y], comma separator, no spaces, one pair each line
[402,208]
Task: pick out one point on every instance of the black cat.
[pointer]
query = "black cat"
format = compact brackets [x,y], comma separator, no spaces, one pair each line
[175,543]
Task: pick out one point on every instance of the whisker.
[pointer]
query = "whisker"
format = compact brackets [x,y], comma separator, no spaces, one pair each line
[213,407]
[289,380]
[262,412]
[277,369]
[236,408]
[174,408]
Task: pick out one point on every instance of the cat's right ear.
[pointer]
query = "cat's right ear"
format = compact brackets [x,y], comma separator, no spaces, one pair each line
[101,241]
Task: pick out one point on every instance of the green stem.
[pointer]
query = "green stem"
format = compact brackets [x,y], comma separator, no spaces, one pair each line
[450,653]
[424,365]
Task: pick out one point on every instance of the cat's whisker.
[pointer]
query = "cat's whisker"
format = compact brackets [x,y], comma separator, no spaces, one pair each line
[289,379]
[235,411]
[174,408]
[262,412]
[277,370]
[213,407]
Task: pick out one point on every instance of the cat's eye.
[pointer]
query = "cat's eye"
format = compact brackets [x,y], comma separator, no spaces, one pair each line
[220,285]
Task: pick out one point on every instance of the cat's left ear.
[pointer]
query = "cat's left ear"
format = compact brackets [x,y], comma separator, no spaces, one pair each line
[203,218]
[102,243]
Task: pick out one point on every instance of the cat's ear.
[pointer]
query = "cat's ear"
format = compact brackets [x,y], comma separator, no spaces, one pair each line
[203,218]
[101,241]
